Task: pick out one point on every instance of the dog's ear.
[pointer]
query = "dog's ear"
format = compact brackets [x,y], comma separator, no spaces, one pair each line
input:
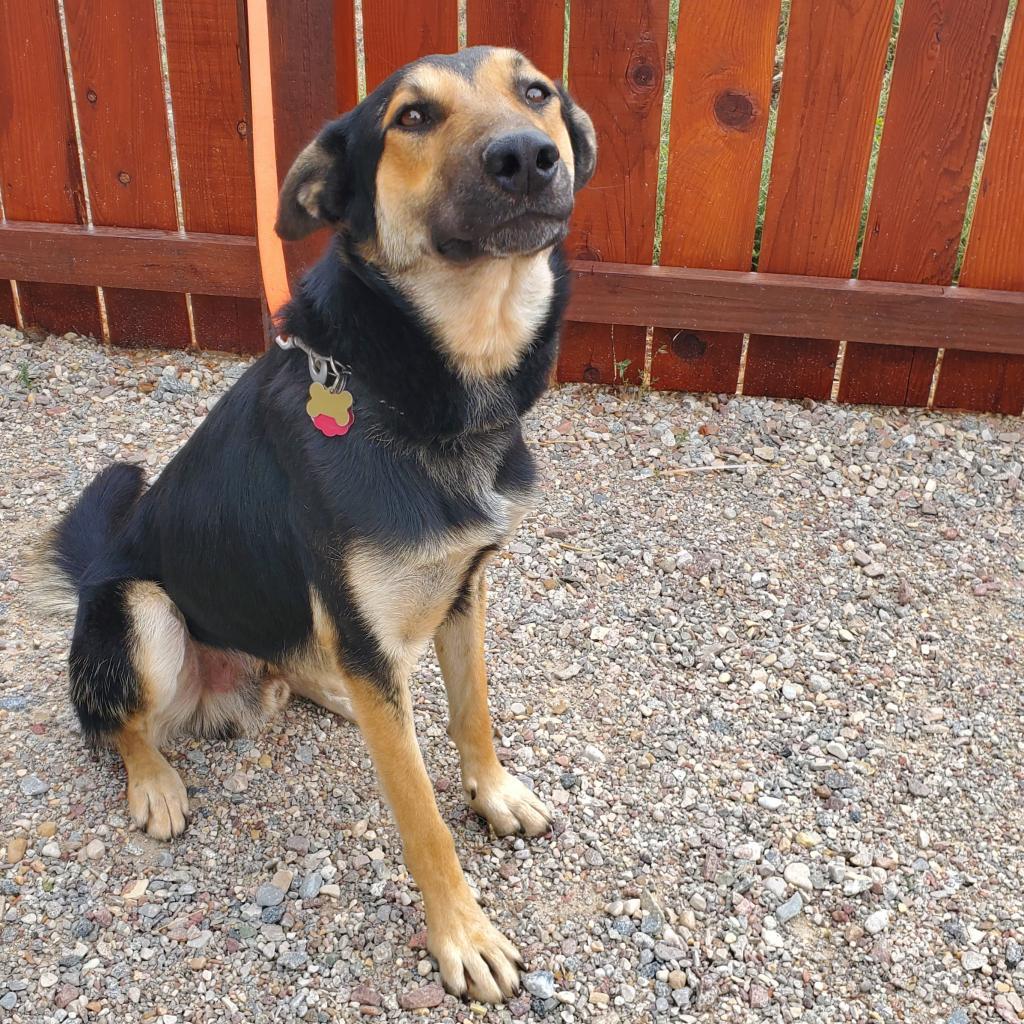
[582,137]
[311,195]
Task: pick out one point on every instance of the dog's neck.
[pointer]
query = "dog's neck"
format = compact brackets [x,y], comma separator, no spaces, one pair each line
[483,315]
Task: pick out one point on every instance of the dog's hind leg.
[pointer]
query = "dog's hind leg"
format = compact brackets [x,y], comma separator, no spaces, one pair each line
[130,662]
[494,794]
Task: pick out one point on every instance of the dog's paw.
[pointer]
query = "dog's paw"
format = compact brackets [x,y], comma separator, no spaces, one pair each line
[274,696]
[474,958]
[158,802]
[507,804]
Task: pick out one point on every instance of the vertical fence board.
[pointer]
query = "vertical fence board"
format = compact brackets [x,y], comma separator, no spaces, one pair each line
[396,32]
[617,73]
[40,177]
[305,95]
[835,57]
[721,94]
[534,27]
[208,68]
[944,62]
[7,311]
[115,57]
[345,67]
[995,250]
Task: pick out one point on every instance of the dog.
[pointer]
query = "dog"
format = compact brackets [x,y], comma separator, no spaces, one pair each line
[336,510]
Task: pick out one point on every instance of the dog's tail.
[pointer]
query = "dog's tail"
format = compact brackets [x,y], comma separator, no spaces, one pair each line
[59,562]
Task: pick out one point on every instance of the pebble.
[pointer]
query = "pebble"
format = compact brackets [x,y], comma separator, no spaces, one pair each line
[269,895]
[798,874]
[876,922]
[423,998]
[972,961]
[95,849]
[32,785]
[787,911]
[540,984]
[16,848]
[311,885]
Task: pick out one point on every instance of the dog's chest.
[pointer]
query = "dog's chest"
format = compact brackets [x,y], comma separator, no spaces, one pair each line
[405,593]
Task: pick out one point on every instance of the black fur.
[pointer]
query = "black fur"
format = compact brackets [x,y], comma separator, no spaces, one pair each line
[258,506]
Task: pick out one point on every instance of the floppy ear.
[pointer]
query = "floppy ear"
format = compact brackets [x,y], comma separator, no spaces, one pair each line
[314,188]
[582,137]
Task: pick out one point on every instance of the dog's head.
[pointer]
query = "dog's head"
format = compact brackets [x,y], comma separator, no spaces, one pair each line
[460,157]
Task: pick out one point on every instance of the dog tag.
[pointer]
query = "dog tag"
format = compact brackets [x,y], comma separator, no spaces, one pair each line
[330,411]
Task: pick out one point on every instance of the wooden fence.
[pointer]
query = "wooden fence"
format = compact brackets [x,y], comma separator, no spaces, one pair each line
[127,189]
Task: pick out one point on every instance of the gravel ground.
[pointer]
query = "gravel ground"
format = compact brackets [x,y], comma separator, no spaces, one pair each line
[778,710]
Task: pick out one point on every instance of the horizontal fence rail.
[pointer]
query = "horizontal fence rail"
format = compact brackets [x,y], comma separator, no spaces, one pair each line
[796,198]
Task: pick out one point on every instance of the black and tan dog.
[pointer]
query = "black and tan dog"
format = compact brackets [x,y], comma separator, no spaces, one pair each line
[318,550]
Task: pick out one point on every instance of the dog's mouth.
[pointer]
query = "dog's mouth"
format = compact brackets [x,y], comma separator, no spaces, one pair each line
[523,235]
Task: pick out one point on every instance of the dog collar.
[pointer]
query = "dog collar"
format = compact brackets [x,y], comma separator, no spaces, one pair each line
[330,402]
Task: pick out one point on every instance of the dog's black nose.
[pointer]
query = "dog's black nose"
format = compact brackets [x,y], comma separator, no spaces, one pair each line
[522,163]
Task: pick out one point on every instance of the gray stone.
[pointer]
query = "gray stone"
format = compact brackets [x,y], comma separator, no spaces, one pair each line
[310,886]
[32,785]
[269,896]
[787,911]
[540,984]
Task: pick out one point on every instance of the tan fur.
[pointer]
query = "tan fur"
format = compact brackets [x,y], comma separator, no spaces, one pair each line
[167,661]
[47,589]
[472,955]
[316,672]
[505,802]
[485,313]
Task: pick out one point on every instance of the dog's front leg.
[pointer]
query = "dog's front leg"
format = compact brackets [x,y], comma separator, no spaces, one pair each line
[494,794]
[473,956]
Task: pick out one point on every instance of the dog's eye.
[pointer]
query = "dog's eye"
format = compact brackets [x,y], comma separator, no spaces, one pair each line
[413,117]
[537,94]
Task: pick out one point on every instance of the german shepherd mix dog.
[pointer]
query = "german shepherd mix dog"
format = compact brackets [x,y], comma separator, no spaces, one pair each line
[315,534]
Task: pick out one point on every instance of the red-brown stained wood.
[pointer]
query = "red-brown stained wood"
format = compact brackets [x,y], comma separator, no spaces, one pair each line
[208,68]
[7,311]
[941,80]
[40,178]
[115,58]
[345,66]
[995,250]
[305,96]
[786,305]
[721,94]
[534,27]
[835,56]
[617,74]
[130,258]
[396,32]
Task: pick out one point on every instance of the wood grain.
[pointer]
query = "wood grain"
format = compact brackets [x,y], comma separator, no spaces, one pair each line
[345,65]
[305,96]
[995,250]
[40,177]
[941,80]
[396,32]
[115,57]
[789,305]
[226,265]
[617,73]
[208,68]
[8,315]
[721,95]
[534,27]
[835,56]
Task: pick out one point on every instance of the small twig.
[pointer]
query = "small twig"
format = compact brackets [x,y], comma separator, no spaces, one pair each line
[725,468]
